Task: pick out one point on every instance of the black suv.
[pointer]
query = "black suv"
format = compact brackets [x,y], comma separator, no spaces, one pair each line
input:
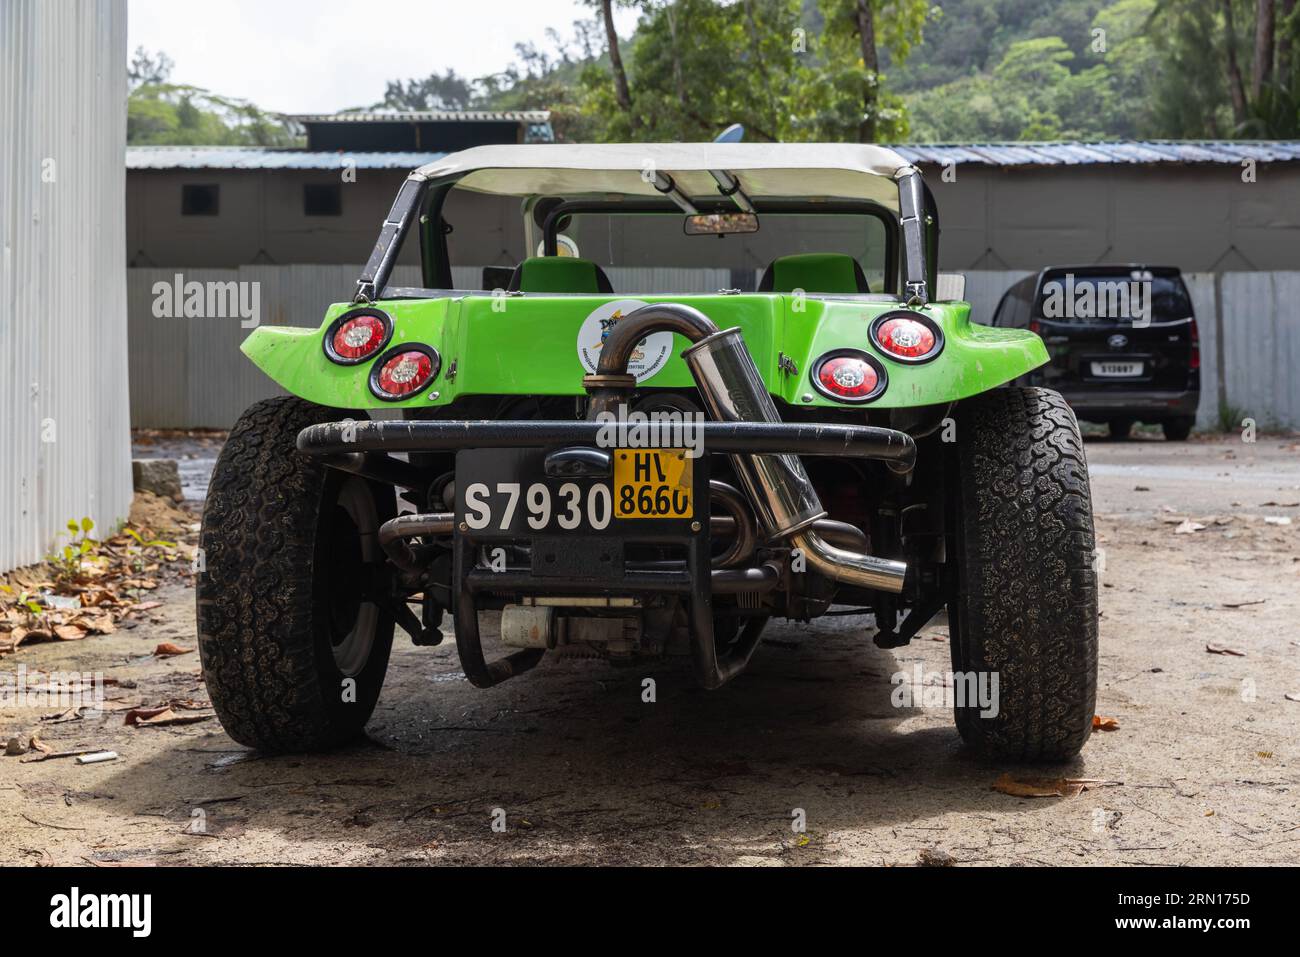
[1122,340]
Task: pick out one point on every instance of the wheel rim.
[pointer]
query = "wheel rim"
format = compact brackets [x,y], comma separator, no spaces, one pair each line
[353,526]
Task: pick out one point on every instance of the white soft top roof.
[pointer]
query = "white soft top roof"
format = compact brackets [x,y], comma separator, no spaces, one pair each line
[765,170]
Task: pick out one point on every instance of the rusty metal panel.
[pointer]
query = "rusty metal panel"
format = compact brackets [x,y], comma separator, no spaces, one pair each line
[64,432]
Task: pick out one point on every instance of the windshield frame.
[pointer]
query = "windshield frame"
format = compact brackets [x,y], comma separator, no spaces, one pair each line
[550,227]
[912,238]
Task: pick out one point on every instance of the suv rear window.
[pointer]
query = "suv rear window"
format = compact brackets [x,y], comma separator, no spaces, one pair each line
[1115,296]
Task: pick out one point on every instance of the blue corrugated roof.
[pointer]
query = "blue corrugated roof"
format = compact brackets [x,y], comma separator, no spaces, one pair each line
[257,157]
[1075,153]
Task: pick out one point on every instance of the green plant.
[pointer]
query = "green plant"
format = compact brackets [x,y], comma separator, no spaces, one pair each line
[67,561]
[1230,416]
[24,600]
[136,554]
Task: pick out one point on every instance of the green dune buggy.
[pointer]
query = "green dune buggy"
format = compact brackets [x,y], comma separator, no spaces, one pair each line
[673,392]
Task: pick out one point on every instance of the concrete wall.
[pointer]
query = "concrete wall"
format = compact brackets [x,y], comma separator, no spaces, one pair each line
[998,224]
[192,374]
[1199,218]
[261,220]
[64,435]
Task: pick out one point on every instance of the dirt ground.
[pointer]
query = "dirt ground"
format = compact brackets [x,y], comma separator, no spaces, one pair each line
[1203,768]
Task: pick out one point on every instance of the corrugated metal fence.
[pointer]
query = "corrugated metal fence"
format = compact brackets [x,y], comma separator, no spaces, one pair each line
[189,372]
[1261,341]
[64,432]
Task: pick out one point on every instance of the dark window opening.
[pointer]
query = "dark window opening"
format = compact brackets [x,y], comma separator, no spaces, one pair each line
[199,200]
[322,199]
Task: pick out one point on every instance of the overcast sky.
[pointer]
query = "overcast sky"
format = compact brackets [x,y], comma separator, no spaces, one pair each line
[316,56]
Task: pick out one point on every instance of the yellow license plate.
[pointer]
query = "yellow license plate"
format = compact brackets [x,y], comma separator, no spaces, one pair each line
[652,483]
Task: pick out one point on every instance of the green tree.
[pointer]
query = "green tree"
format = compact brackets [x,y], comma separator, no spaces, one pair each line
[169,114]
[698,66]
[854,103]
[1230,65]
[437,91]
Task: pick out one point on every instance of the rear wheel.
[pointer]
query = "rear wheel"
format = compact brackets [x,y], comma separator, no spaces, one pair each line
[294,648]
[1024,609]
[1120,428]
[1177,430]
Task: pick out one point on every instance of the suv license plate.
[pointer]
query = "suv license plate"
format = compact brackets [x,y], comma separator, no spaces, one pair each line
[653,483]
[1116,369]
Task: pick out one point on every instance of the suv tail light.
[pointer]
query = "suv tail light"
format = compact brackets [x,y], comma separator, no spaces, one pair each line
[1195,362]
[849,375]
[907,336]
[402,372]
[357,335]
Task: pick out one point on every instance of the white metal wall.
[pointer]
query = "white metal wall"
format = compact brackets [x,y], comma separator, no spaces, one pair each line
[189,373]
[64,430]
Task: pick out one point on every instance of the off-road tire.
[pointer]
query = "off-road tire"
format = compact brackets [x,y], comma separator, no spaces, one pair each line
[1177,430]
[273,550]
[1025,606]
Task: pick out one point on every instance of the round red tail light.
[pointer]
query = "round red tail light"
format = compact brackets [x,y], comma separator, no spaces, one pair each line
[357,335]
[402,372]
[848,375]
[907,336]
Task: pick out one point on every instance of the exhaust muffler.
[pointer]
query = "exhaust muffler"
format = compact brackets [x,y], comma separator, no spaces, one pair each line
[778,485]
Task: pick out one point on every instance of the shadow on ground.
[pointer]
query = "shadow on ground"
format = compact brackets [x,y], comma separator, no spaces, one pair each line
[585,770]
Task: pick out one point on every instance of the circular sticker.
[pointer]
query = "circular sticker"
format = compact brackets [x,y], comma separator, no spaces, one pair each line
[650,353]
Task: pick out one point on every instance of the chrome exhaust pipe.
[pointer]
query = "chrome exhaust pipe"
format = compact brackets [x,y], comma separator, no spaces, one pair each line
[778,485]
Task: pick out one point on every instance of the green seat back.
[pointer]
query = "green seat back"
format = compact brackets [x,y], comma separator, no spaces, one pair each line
[559,274]
[816,272]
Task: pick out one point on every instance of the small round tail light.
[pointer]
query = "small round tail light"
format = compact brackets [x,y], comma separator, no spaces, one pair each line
[402,372]
[848,375]
[357,335]
[907,336]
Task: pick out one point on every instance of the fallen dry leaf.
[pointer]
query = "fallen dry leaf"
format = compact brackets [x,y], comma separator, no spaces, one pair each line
[100,624]
[1047,787]
[1104,724]
[1220,650]
[1292,696]
[168,650]
[138,714]
[171,717]
[1187,527]
[69,632]
[37,749]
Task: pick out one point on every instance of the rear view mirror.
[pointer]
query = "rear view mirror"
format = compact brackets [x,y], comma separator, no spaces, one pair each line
[720,224]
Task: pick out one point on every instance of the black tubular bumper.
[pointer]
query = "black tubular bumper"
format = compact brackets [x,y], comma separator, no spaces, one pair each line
[366,448]
[349,438]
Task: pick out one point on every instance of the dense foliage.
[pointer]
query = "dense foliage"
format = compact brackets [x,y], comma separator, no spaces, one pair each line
[853,70]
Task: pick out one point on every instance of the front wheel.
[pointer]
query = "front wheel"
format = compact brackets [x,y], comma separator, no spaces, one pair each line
[294,648]
[1023,612]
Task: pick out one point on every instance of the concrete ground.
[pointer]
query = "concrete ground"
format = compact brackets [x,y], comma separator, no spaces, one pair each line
[1204,766]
